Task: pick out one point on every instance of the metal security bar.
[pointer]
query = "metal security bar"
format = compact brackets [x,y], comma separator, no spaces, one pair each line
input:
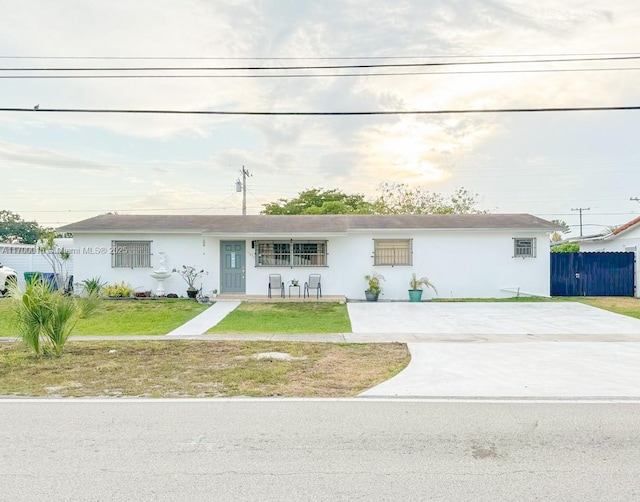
[131,254]
[393,252]
[291,253]
[524,247]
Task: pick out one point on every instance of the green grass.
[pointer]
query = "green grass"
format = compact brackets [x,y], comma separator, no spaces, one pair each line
[188,368]
[286,318]
[619,304]
[122,317]
[514,299]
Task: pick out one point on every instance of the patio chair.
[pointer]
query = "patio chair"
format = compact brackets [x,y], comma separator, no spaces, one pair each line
[313,283]
[275,282]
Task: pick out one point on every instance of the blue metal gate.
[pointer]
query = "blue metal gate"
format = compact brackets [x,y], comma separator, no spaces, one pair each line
[593,274]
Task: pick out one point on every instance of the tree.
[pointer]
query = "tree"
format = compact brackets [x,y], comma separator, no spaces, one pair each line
[557,236]
[320,201]
[57,256]
[561,223]
[394,198]
[13,229]
[399,198]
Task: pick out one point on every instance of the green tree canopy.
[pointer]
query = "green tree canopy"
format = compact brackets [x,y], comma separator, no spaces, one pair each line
[399,198]
[393,198]
[320,201]
[14,229]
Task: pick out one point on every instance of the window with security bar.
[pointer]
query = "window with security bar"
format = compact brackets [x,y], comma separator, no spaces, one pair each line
[131,254]
[291,253]
[524,247]
[392,252]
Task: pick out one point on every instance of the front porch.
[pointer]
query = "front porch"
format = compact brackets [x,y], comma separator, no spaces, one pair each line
[278,299]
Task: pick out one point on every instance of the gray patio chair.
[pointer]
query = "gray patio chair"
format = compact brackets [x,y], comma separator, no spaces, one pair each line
[275,282]
[313,283]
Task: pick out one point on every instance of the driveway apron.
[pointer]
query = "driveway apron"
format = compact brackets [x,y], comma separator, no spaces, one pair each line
[479,360]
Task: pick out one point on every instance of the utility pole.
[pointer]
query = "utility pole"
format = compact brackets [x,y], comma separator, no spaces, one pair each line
[241,186]
[580,209]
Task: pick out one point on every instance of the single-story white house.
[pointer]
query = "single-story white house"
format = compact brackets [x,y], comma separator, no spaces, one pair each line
[464,256]
[625,238]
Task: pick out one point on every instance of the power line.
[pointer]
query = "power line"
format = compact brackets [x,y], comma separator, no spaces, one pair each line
[39,109]
[321,75]
[317,58]
[324,67]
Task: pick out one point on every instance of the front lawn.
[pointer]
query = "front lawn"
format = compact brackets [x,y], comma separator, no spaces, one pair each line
[309,317]
[181,368]
[122,317]
[624,305]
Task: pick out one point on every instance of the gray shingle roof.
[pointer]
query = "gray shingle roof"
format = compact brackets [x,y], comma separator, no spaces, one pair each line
[263,224]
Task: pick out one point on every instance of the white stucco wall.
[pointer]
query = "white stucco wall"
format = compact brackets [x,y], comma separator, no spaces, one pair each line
[627,241]
[93,259]
[24,258]
[461,263]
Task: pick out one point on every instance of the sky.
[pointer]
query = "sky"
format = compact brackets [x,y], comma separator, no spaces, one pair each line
[57,168]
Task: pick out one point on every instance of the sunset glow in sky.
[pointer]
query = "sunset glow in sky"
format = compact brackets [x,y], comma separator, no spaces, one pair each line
[62,167]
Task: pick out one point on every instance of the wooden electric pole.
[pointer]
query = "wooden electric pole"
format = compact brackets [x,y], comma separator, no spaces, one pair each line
[242,185]
[580,209]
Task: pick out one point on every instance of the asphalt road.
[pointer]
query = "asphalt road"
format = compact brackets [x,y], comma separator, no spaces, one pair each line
[304,450]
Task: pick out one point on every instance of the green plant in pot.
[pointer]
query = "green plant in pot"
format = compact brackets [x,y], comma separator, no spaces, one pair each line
[190,275]
[416,286]
[373,286]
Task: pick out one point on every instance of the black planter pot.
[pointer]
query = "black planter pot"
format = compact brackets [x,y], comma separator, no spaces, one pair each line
[371,297]
[191,293]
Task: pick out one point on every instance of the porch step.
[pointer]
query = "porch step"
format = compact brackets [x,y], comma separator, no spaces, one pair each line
[278,299]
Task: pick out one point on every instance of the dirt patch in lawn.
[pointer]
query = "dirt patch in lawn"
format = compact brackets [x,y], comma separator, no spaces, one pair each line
[182,368]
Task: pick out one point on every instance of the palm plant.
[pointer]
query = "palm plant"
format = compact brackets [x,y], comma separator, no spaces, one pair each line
[373,281]
[46,317]
[416,283]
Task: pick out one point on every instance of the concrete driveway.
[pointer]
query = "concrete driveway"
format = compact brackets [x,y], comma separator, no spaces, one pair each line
[573,350]
[490,318]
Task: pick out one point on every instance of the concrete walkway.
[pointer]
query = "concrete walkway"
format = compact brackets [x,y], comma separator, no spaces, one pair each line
[205,320]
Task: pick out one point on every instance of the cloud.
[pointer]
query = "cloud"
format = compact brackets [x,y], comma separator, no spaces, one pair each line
[168,160]
[25,157]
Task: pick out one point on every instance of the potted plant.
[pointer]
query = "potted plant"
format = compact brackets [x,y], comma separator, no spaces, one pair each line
[190,275]
[416,285]
[374,289]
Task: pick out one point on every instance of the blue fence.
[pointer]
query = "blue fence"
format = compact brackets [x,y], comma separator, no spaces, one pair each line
[592,274]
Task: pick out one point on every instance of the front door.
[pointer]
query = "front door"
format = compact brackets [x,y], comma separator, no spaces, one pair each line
[232,267]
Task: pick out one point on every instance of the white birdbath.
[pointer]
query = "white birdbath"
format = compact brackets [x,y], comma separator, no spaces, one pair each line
[160,274]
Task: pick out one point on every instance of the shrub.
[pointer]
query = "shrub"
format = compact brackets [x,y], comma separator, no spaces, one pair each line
[93,285]
[120,290]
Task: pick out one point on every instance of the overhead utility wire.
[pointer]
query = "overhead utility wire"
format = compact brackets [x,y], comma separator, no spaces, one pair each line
[316,58]
[325,67]
[395,112]
[312,75]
